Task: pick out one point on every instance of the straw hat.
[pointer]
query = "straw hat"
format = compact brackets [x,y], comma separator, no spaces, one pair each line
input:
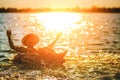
[30,39]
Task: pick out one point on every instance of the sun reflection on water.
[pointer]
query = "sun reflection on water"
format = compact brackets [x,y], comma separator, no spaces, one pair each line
[75,29]
[79,32]
[58,21]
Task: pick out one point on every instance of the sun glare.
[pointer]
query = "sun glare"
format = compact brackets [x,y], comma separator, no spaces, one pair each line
[58,21]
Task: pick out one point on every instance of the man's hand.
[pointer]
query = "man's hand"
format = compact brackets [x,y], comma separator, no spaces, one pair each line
[58,35]
[9,32]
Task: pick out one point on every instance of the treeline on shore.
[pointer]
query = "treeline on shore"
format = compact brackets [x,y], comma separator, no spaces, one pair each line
[77,9]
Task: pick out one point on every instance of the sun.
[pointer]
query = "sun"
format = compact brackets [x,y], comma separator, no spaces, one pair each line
[58,21]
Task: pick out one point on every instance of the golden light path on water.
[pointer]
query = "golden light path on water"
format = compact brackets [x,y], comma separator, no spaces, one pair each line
[58,21]
[55,22]
[75,29]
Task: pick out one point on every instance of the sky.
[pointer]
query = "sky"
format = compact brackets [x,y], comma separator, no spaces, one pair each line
[58,3]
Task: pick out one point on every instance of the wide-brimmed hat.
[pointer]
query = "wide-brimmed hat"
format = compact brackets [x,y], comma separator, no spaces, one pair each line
[30,39]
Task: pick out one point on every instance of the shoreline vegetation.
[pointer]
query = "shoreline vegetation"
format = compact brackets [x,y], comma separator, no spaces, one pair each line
[93,9]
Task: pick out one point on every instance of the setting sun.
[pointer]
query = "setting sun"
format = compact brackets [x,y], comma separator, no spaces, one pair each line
[58,21]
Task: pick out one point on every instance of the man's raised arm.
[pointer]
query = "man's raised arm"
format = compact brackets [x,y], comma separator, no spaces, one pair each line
[57,37]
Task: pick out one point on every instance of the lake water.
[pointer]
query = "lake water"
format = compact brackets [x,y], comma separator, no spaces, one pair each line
[82,33]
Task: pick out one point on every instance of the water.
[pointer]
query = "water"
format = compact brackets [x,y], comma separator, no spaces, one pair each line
[82,33]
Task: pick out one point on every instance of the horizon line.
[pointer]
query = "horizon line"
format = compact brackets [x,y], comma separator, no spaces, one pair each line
[62,7]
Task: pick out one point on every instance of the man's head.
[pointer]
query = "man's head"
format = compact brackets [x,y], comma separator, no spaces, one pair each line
[30,40]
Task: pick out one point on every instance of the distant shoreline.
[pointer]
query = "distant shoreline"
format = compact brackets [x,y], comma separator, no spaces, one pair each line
[77,9]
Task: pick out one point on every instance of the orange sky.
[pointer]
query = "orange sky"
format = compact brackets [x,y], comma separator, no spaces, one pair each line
[58,3]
